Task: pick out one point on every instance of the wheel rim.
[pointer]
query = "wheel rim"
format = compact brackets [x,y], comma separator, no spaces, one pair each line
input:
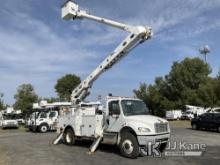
[44,129]
[127,146]
[68,138]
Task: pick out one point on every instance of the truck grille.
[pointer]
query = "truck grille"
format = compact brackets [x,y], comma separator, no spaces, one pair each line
[10,123]
[161,127]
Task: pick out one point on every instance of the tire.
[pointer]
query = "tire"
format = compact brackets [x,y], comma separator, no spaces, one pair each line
[69,137]
[194,126]
[162,147]
[43,128]
[129,146]
[218,129]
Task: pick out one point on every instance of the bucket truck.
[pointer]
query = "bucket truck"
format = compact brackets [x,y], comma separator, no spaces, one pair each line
[123,121]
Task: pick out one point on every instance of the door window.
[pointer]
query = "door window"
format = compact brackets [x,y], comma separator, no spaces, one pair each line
[114,108]
[207,117]
[52,114]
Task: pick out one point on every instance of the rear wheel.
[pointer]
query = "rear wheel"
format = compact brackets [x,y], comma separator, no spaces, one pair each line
[194,126]
[69,137]
[129,146]
[218,129]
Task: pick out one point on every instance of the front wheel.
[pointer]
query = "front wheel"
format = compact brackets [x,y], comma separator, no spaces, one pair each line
[129,146]
[69,137]
[43,128]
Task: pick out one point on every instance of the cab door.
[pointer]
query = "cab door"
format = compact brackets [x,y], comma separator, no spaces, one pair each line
[114,119]
[52,117]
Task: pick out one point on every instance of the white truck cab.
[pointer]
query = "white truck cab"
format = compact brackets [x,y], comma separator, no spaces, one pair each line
[44,121]
[125,122]
[7,121]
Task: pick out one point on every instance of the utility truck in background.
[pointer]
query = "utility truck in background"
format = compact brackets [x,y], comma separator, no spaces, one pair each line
[193,111]
[122,121]
[45,115]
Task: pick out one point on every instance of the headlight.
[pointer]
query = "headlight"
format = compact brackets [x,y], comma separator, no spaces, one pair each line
[142,129]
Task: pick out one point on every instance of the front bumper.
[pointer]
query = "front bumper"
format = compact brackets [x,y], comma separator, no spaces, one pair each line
[10,126]
[146,139]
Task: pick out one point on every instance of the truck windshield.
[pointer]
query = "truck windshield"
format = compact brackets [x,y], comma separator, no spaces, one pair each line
[134,107]
[8,117]
[42,115]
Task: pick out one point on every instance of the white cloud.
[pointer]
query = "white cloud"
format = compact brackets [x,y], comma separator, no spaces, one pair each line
[39,51]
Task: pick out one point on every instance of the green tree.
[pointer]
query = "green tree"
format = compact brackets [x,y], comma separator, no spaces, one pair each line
[25,97]
[65,86]
[187,83]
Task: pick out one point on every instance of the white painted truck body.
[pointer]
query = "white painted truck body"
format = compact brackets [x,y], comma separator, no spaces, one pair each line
[91,123]
[114,124]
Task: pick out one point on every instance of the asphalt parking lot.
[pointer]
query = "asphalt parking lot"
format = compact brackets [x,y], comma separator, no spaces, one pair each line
[25,148]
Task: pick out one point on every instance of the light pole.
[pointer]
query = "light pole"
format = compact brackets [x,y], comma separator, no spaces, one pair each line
[204,50]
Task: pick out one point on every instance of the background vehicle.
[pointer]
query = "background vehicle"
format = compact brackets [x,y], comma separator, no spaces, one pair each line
[192,111]
[214,110]
[187,115]
[173,114]
[123,121]
[7,121]
[208,121]
[44,116]
[29,118]
[44,121]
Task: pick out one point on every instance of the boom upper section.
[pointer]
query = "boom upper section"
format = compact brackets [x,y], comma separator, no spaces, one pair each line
[138,34]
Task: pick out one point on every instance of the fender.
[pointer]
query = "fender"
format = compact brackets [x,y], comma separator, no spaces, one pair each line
[123,130]
[44,123]
[69,126]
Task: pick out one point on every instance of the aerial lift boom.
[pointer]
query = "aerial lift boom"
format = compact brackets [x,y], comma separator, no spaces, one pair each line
[138,34]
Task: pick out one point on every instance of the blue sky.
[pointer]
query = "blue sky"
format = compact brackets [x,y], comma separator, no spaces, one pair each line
[38,47]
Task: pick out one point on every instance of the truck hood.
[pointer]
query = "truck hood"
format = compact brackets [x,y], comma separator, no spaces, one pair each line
[147,119]
[144,121]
